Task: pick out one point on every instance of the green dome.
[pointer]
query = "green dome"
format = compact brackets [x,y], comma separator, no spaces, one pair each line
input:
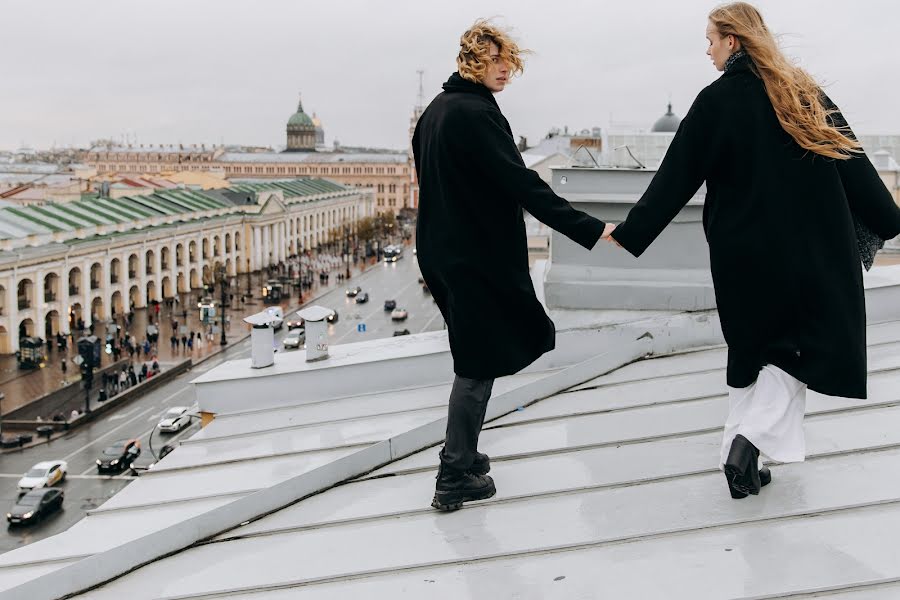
[300,118]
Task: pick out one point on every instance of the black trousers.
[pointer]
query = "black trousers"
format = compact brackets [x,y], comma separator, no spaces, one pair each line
[465,416]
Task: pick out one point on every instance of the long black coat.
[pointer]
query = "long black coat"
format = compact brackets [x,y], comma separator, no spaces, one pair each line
[470,235]
[779,222]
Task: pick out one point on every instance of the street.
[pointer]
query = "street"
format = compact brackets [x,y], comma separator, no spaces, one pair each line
[85,490]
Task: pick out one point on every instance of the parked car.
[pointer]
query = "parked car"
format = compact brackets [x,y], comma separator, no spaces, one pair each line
[401,332]
[294,338]
[353,292]
[43,474]
[399,314]
[362,298]
[35,505]
[119,456]
[390,305]
[175,419]
[278,315]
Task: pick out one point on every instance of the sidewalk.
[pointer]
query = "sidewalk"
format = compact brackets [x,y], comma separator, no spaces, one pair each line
[22,386]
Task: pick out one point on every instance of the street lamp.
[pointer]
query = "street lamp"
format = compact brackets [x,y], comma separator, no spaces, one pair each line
[222,285]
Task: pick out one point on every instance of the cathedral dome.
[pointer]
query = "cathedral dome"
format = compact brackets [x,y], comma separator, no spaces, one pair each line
[300,118]
[668,123]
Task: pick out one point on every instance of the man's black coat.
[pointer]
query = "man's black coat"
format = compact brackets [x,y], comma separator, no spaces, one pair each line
[782,244]
[470,235]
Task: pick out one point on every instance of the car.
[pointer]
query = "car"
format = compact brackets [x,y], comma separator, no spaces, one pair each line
[43,474]
[353,292]
[415,249]
[295,322]
[390,305]
[175,419]
[399,314]
[34,505]
[332,318]
[294,338]
[119,456]
[278,315]
[421,279]
[425,289]
[362,298]
[401,332]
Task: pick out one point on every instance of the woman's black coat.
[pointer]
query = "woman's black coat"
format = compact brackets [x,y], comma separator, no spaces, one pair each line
[470,235]
[782,244]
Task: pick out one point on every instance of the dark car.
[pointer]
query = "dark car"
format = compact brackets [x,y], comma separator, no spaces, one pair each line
[353,292]
[119,456]
[401,332]
[35,505]
[390,305]
[295,323]
[332,318]
[362,298]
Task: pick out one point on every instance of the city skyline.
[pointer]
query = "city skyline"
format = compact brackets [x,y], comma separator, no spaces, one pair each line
[215,73]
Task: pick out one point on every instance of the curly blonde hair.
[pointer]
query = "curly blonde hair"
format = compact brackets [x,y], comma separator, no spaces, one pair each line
[475,51]
[795,95]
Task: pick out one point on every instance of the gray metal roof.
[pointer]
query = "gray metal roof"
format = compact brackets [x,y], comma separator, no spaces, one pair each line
[608,486]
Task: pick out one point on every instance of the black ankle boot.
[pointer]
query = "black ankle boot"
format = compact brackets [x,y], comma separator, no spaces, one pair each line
[481,465]
[765,476]
[742,468]
[455,487]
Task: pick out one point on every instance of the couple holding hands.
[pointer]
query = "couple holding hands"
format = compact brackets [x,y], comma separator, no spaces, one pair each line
[793,207]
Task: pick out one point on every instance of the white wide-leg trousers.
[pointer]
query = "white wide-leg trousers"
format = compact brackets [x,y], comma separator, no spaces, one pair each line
[769,413]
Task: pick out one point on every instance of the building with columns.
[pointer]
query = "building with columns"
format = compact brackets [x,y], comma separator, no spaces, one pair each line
[98,256]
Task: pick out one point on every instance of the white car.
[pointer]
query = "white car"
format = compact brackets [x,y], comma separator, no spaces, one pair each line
[43,474]
[175,419]
[294,338]
[399,314]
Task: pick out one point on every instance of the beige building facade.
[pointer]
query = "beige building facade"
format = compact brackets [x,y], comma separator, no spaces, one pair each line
[100,256]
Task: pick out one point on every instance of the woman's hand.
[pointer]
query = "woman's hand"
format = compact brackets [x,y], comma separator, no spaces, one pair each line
[607,234]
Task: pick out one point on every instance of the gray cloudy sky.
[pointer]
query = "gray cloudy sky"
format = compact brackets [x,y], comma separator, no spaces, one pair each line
[193,71]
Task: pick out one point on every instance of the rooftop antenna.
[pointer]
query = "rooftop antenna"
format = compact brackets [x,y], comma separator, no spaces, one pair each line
[420,101]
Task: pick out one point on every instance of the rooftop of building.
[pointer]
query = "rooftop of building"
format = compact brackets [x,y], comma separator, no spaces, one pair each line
[315,157]
[180,204]
[606,469]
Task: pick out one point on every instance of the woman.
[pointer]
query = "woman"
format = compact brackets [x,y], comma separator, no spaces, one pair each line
[787,183]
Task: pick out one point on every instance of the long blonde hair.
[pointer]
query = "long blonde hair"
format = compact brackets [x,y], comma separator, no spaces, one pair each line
[795,95]
[475,51]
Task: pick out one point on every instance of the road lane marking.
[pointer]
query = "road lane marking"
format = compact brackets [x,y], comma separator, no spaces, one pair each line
[436,315]
[374,312]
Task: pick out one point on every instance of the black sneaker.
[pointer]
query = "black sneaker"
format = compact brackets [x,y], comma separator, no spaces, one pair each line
[481,465]
[455,487]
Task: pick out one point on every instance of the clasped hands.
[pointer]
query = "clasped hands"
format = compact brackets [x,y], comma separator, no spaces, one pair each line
[607,234]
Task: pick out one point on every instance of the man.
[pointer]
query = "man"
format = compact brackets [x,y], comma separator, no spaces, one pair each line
[472,247]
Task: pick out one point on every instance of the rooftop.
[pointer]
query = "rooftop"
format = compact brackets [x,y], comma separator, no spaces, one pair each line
[606,469]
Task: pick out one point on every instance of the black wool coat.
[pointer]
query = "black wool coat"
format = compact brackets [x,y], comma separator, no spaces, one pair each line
[470,235]
[782,244]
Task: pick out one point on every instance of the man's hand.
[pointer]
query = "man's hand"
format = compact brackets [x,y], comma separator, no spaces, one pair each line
[607,234]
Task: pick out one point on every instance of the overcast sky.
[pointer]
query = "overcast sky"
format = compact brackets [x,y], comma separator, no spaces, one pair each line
[212,71]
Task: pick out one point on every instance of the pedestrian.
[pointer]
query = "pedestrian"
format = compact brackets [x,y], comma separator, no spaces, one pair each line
[65,366]
[190,343]
[123,380]
[132,377]
[74,414]
[183,341]
[472,179]
[173,340]
[791,200]
[49,345]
